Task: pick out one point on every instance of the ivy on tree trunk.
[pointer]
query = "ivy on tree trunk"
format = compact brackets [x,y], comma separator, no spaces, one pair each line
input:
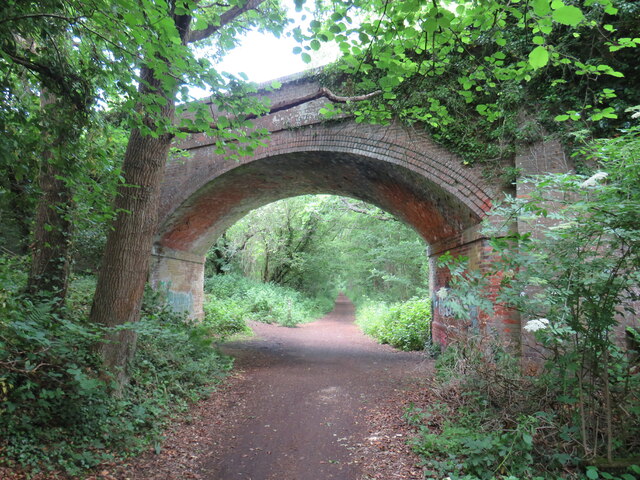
[53,227]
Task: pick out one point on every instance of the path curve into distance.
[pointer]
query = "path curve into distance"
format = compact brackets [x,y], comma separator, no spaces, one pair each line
[296,411]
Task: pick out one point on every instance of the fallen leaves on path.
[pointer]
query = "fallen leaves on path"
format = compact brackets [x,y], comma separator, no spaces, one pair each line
[385,454]
[189,442]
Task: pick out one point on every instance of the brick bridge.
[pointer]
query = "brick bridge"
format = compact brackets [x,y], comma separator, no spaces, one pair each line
[399,169]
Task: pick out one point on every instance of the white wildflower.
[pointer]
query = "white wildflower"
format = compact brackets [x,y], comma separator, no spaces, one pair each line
[537,324]
[442,293]
[594,179]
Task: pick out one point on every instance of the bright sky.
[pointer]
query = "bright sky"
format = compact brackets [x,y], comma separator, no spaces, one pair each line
[264,57]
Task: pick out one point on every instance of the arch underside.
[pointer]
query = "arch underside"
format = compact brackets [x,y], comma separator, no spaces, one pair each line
[429,209]
[388,166]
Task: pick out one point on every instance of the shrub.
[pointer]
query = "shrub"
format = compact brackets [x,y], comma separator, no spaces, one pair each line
[408,325]
[484,419]
[225,317]
[370,317]
[175,363]
[403,325]
[55,408]
[234,296]
[56,411]
[226,286]
[458,449]
[80,296]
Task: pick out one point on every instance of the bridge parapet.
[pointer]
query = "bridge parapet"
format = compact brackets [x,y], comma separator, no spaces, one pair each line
[295,104]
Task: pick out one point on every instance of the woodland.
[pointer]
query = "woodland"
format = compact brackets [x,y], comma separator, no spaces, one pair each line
[93,363]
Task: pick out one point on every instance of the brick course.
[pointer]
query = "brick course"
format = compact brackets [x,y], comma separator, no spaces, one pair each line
[397,168]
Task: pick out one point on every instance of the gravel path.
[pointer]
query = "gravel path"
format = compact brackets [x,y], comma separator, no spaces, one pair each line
[316,402]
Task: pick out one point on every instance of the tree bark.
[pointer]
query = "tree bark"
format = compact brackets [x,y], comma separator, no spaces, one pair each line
[125,263]
[53,227]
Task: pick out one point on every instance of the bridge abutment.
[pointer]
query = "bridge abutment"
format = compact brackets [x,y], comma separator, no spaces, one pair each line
[181,275]
[502,324]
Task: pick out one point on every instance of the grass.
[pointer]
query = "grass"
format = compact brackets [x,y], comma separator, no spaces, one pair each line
[232,300]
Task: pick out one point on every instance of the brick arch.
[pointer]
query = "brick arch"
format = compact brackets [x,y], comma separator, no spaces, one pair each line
[398,169]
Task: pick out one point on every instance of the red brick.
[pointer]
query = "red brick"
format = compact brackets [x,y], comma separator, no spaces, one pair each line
[398,168]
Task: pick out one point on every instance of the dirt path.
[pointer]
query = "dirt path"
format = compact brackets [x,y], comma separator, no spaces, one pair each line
[299,410]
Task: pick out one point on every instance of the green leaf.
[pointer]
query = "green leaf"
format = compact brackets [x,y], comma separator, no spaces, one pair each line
[541,7]
[538,57]
[430,25]
[592,473]
[306,58]
[568,15]
[131,19]
[200,24]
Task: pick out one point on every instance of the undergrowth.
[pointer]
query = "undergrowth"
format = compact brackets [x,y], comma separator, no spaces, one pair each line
[56,408]
[403,325]
[488,420]
[233,299]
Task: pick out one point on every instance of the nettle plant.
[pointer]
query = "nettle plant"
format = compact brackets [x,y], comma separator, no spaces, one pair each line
[574,278]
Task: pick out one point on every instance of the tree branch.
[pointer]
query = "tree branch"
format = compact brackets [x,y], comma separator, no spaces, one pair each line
[41,15]
[278,107]
[32,66]
[226,18]
[211,5]
[357,209]
[322,92]
[338,99]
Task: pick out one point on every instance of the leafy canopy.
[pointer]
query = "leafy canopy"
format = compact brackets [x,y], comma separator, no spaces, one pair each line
[484,68]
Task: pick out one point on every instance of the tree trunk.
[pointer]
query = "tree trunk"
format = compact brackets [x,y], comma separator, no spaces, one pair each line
[265,271]
[53,227]
[125,262]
